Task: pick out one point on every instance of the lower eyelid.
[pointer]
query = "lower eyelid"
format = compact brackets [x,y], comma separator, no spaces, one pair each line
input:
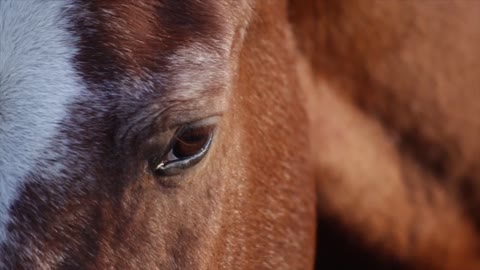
[179,165]
[166,158]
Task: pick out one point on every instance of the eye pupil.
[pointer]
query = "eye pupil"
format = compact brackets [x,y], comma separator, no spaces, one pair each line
[191,141]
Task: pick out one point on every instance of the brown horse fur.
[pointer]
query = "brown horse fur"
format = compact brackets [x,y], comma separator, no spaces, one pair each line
[352,119]
[394,97]
[148,66]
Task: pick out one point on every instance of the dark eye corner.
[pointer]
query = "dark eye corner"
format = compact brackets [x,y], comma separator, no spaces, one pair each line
[188,147]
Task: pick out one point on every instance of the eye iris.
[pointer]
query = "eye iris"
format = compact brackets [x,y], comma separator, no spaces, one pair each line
[191,141]
[188,147]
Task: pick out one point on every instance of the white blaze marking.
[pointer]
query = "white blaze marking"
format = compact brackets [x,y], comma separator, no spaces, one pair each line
[37,82]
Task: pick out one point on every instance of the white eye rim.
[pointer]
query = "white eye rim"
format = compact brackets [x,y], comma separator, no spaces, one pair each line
[171,165]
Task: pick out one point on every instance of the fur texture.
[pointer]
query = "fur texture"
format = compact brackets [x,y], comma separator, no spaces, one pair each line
[146,68]
[355,119]
[37,84]
[393,100]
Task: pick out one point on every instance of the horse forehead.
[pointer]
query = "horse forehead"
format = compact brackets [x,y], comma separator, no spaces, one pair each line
[139,40]
[37,84]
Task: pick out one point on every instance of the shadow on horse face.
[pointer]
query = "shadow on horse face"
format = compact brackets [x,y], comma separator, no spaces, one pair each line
[174,143]
[161,134]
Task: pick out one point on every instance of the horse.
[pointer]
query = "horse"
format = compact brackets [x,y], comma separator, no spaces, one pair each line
[393,98]
[158,134]
[135,135]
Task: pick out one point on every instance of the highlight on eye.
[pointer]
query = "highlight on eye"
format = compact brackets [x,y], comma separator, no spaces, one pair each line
[187,147]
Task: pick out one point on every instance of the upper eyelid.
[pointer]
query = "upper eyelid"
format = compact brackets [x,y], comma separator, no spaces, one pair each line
[181,130]
[162,140]
[176,125]
[156,126]
[177,128]
[211,120]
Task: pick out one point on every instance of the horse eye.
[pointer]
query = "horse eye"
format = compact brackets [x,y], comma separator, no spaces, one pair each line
[188,147]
